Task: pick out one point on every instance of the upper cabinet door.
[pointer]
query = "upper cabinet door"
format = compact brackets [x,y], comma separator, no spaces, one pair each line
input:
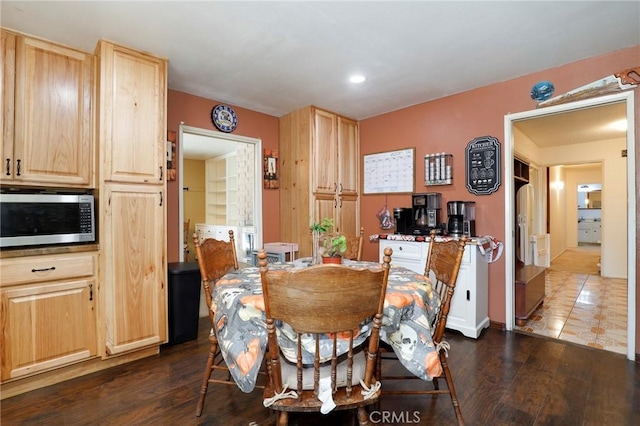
[7,87]
[132,115]
[53,132]
[325,136]
[348,158]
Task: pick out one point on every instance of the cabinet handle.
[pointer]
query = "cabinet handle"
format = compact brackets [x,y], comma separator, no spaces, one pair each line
[161,173]
[90,291]
[18,168]
[8,166]
[160,198]
[53,268]
[335,203]
[341,187]
[468,295]
[340,202]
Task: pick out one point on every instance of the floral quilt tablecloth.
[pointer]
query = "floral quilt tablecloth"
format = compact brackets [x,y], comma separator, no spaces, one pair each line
[409,309]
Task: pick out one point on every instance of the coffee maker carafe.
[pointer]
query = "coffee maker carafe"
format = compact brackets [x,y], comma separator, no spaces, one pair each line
[455,218]
[420,218]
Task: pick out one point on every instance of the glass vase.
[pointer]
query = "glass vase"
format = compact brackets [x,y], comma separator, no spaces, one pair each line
[316,259]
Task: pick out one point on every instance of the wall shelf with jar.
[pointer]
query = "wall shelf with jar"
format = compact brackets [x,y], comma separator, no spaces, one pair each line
[438,169]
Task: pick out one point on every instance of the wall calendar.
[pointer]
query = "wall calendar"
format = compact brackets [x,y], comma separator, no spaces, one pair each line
[390,172]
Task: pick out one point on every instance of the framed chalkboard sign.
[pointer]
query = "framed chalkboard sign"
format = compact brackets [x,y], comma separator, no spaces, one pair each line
[483,165]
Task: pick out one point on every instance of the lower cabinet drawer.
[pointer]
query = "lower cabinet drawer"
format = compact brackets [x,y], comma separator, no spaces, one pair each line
[403,249]
[33,269]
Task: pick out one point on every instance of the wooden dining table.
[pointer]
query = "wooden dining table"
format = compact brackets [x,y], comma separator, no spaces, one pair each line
[409,309]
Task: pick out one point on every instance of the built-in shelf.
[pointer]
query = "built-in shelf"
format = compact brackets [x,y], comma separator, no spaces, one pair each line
[520,170]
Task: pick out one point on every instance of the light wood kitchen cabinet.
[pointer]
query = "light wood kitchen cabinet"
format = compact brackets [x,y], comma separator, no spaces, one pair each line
[48,312]
[319,174]
[47,123]
[133,88]
[7,88]
[134,277]
[132,132]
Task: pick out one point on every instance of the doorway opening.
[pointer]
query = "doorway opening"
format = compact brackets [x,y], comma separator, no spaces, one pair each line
[224,191]
[617,220]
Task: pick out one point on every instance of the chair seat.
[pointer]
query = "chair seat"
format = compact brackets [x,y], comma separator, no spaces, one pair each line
[308,401]
[290,373]
[311,404]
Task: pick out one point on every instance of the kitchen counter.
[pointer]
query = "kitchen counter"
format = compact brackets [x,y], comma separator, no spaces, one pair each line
[8,253]
[417,238]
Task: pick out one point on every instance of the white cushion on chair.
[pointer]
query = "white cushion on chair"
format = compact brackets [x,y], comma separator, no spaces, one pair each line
[290,373]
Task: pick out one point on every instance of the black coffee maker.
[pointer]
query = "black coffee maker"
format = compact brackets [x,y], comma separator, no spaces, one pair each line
[402,217]
[461,218]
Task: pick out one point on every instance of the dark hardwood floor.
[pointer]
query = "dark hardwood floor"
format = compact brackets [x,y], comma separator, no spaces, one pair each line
[502,379]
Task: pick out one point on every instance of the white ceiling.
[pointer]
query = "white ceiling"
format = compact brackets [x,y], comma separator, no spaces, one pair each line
[275,57]
[574,127]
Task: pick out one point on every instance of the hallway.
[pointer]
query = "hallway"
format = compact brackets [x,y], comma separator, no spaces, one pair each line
[580,306]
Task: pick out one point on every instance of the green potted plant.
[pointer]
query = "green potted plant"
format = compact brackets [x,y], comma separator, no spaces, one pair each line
[329,246]
[332,248]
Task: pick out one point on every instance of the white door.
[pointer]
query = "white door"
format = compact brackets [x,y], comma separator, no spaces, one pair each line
[541,247]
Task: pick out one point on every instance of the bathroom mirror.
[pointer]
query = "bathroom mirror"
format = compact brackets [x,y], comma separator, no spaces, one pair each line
[589,196]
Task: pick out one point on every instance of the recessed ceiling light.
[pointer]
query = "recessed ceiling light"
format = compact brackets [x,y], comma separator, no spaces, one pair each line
[357,78]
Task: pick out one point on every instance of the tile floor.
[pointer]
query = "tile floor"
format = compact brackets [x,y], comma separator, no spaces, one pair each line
[583,308]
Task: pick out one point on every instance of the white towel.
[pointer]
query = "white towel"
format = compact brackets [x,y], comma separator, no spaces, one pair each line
[325,395]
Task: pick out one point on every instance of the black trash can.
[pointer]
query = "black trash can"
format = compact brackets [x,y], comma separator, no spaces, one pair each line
[184,301]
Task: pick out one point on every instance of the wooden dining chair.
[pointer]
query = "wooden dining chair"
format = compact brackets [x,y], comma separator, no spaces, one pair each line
[442,266]
[215,259]
[328,303]
[354,246]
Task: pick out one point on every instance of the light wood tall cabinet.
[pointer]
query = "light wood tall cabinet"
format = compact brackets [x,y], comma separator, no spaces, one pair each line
[319,174]
[48,315]
[47,114]
[132,138]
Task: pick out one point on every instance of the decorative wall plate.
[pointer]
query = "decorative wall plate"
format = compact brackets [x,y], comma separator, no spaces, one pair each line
[224,118]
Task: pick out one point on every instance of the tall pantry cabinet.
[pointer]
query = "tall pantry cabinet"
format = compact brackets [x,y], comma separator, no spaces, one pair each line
[132,138]
[319,174]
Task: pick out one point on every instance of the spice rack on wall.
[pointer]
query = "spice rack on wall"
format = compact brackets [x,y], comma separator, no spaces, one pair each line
[438,169]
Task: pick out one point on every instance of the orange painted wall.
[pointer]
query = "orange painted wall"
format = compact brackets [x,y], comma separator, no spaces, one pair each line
[196,112]
[443,125]
[449,124]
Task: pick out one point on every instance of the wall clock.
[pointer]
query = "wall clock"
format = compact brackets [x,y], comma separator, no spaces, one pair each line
[224,118]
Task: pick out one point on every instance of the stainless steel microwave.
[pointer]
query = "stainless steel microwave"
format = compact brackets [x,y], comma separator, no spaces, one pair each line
[35,219]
